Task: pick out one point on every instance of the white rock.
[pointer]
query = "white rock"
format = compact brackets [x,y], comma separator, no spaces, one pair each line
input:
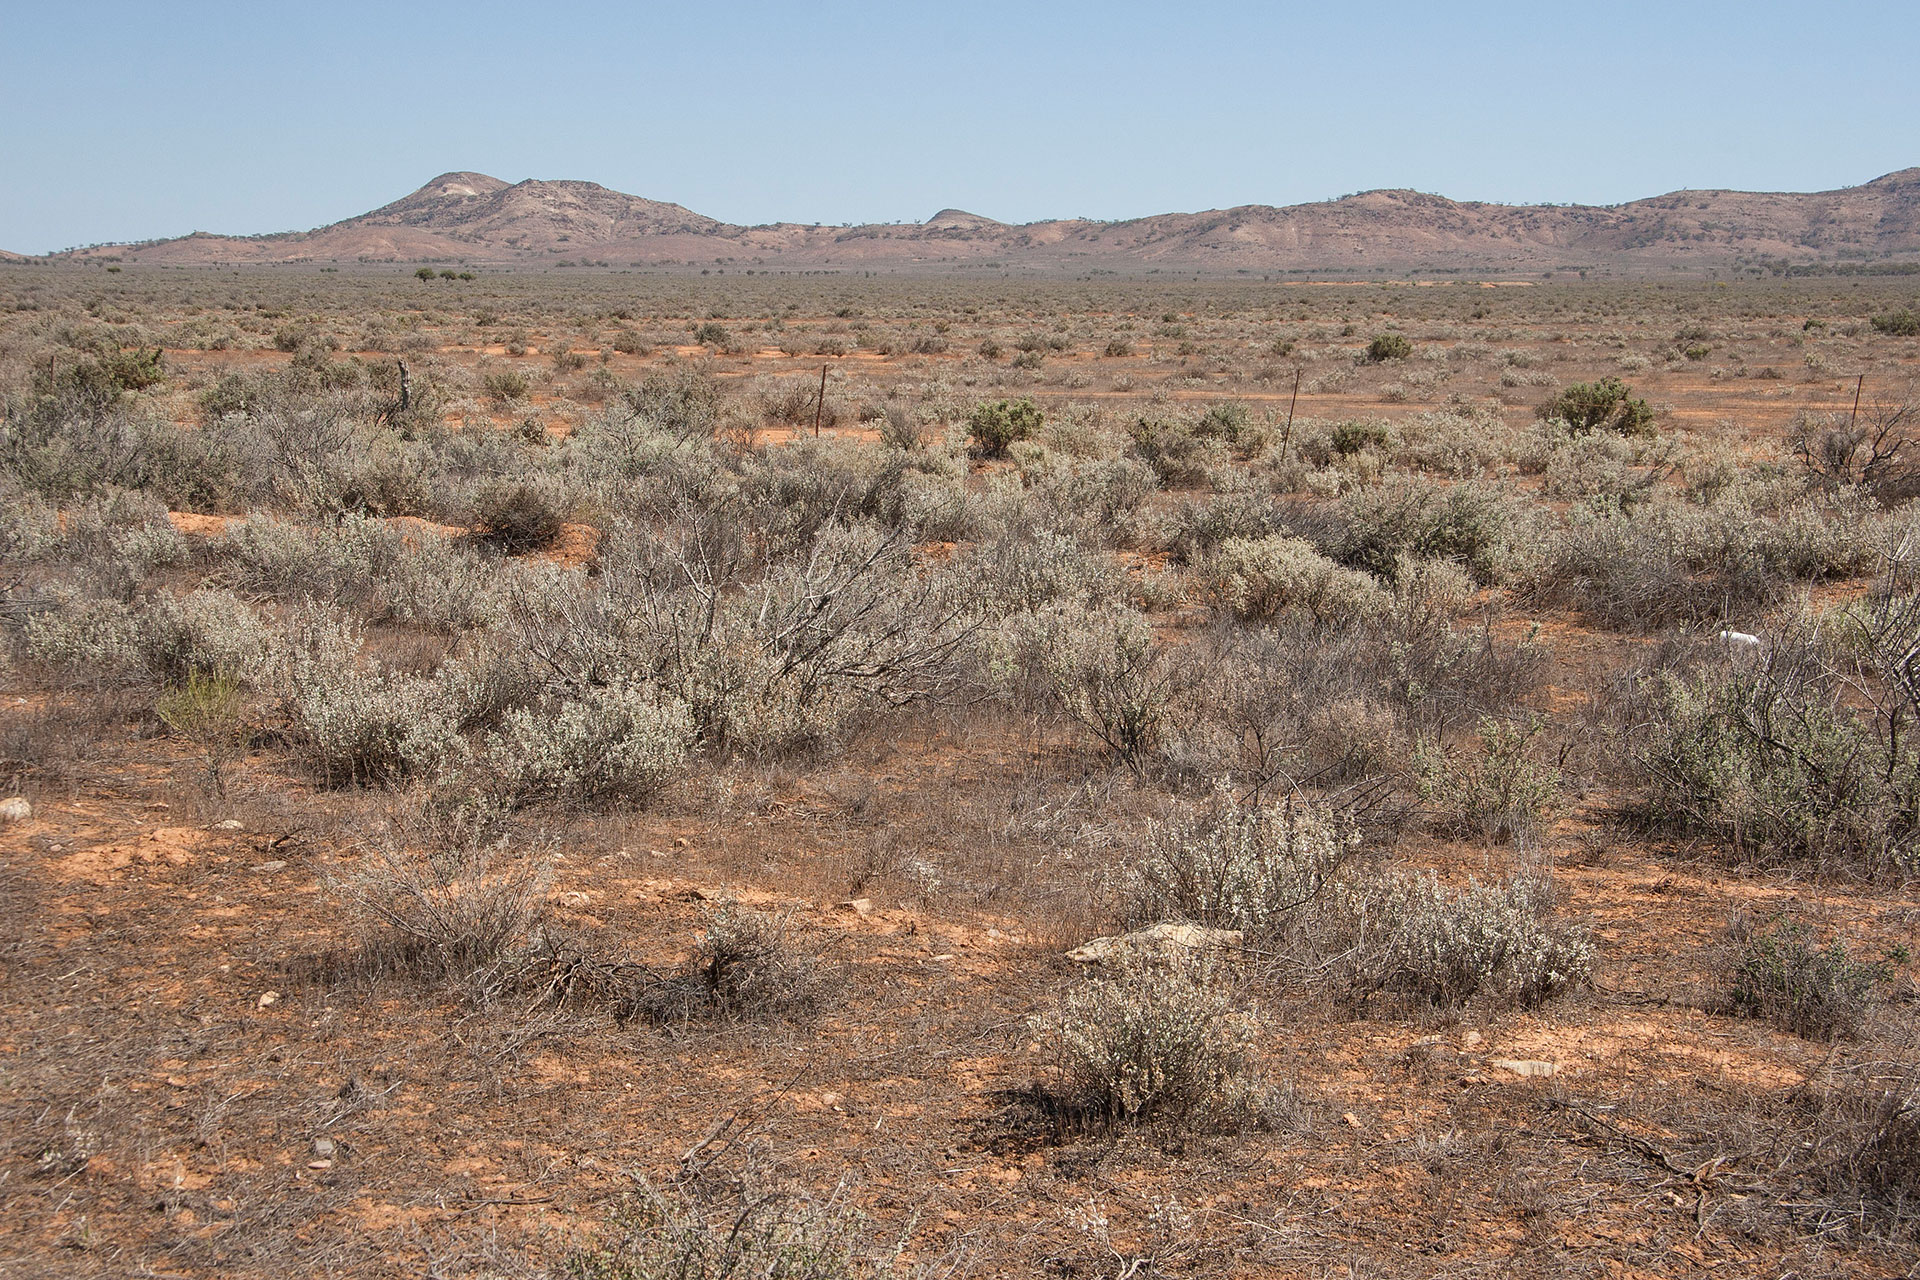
[15,809]
[1159,939]
[1739,639]
[1524,1066]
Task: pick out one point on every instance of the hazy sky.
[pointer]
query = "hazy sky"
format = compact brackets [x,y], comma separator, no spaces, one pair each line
[130,121]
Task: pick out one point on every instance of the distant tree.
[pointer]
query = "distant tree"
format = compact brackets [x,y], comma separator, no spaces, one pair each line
[425,273]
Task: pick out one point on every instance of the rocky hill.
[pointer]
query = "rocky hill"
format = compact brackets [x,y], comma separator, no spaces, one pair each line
[474,218]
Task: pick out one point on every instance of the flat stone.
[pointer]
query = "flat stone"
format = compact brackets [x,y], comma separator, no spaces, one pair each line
[1159,939]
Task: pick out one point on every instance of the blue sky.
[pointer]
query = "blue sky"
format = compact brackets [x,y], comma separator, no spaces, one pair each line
[125,121]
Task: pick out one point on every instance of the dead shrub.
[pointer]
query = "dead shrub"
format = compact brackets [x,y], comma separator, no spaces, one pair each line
[517,518]
[748,967]
[454,907]
[749,1235]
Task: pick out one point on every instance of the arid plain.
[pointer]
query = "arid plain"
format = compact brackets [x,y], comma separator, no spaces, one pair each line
[531,772]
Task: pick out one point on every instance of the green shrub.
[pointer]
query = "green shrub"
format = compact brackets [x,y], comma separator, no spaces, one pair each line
[997,424]
[209,711]
[94,383]
[1791,760]
[424,273]
[1498,793]
[1606,405]
[1389,346]
[1178,455]
[1898,324]
[1817,992]
[505,386]
[711,334]
[1355,435]
[1227,420]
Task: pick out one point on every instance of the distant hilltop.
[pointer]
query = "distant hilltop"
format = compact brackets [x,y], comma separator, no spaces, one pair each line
[477,219]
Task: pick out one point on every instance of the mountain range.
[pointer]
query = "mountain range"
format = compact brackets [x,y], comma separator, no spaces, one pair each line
[475,219]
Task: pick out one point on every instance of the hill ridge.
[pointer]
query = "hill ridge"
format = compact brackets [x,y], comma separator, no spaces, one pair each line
[474,217]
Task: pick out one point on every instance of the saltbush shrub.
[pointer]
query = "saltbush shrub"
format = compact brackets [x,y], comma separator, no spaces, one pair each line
[359,723]
[1259,578]
[612,742]
[1244,867]
[1154,1041]
[1445,947]
[1782,975]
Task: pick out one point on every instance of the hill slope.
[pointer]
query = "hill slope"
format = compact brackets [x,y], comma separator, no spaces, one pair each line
[471,217]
